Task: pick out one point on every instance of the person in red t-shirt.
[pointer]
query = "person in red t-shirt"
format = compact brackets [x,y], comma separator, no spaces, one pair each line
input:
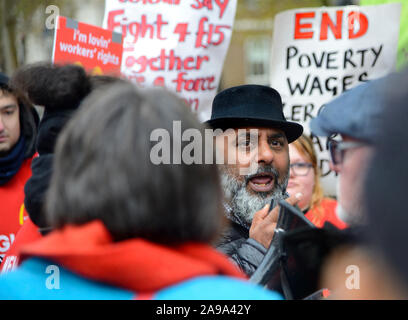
[28,233]
[60,90]
[305,178]
[18,127]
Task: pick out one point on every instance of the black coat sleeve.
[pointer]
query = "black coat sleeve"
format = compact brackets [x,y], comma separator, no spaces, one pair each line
[245,252]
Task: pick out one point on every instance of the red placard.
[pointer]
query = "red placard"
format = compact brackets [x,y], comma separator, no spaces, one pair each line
[97,50]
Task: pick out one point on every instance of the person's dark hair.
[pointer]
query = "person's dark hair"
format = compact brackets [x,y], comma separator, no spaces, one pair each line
[27,115]
[53,86]
[103,170]
[386,180]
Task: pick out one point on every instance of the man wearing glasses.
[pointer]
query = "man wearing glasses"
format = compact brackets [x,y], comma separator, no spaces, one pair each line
[350,122]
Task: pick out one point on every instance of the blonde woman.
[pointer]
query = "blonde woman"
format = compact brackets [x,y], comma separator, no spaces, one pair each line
[305,178]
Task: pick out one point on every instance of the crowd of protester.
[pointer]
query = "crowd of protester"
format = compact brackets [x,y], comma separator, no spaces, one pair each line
[79,191]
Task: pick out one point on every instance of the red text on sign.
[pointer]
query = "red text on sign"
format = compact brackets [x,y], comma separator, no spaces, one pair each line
[357,25]
[165,61]
[209,34]
[222,5]
[151,1]
[198,84]
[137,30]
[182,30]
[193,103]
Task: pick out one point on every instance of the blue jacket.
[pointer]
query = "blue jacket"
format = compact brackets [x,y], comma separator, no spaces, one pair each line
[39,279]
[62,266]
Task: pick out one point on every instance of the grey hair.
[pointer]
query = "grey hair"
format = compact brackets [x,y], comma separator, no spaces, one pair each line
[102,170]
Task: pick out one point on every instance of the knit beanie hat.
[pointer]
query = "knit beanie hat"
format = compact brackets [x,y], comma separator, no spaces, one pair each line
[60,90]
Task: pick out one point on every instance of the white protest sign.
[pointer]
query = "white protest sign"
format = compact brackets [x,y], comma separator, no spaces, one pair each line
[318,53]
[177,44]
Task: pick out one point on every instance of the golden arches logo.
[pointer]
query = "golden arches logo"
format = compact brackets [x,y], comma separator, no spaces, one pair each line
[21,215]
[97,71]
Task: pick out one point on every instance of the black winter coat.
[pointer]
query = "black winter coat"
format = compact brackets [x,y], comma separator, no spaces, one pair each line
[244,251]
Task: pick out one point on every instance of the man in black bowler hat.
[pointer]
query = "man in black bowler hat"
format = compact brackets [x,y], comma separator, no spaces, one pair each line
[257,135]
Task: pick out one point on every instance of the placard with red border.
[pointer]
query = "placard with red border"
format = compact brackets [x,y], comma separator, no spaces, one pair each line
[97,50]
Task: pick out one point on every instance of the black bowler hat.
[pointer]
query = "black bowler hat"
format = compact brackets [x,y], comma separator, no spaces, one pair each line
[251,105]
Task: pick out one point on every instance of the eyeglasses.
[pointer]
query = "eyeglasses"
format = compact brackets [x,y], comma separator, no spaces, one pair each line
[337,149]
[300,168]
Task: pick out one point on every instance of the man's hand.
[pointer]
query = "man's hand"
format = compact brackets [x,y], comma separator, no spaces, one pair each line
[264,224]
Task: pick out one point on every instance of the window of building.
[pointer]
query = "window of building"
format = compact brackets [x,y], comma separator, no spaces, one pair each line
[257,55]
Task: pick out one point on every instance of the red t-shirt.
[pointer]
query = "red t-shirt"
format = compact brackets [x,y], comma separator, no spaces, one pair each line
[12,211]
[328,214]
[28,233]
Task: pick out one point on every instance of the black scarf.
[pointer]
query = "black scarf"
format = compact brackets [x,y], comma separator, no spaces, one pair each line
[11,163]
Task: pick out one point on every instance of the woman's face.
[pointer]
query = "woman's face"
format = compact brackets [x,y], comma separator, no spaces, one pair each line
[300,183]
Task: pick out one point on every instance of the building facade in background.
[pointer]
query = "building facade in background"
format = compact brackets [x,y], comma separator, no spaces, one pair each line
[39,44]
[248,57]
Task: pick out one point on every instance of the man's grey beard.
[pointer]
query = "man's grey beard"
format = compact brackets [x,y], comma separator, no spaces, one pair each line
[245,204]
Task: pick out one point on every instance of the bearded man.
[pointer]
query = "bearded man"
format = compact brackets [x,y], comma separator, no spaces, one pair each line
[253,141]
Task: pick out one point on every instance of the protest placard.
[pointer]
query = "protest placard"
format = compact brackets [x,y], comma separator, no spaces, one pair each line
[97,50]
[402,57]
[180,45]
[318,53]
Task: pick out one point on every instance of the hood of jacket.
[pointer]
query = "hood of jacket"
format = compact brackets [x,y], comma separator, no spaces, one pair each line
[134,264]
